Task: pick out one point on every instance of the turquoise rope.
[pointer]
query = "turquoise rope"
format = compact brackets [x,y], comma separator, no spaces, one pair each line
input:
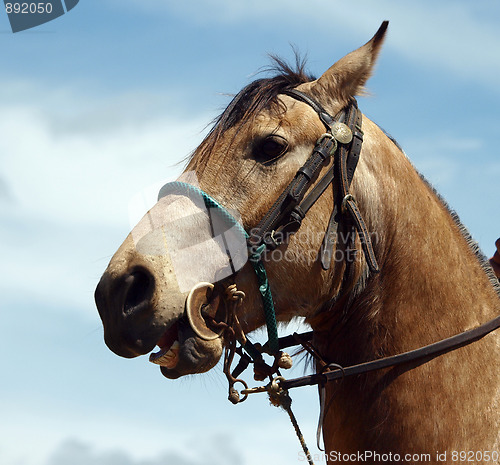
[182,188]
[267,299]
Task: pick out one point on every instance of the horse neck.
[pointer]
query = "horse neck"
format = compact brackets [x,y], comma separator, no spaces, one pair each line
[431,276]
[431,284]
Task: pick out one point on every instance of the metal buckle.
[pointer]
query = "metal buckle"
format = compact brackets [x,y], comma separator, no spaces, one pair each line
[347,198]
[324,136]
[276,241]
[330,136]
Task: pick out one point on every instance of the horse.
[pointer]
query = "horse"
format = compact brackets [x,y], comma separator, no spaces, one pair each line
[401,273]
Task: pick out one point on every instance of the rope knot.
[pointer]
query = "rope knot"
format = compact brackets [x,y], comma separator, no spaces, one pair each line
[277,395]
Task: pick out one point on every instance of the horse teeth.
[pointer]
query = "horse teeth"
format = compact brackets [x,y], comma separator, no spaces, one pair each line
[166,358]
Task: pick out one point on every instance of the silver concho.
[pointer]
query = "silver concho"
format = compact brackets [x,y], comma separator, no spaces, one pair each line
[342,133]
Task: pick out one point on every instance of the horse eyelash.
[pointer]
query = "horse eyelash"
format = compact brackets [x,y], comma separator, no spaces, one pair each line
[259,145]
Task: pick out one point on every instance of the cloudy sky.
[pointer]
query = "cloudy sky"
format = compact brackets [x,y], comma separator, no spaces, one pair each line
[106,101]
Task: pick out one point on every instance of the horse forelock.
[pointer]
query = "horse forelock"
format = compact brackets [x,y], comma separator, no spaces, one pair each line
[260,95]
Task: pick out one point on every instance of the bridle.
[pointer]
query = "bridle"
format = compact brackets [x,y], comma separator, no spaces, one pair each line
[292,204]
[343,135]
[338,148]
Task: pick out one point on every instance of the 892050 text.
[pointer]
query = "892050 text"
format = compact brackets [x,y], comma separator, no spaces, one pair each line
[28,8]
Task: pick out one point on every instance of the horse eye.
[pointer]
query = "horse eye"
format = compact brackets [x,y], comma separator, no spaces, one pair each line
[271,148]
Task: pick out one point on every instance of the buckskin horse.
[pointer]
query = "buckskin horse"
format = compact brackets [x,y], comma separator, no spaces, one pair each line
[354,240]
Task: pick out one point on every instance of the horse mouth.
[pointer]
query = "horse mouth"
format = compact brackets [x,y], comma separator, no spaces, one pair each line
[190,345]
[180,351]
[168,355]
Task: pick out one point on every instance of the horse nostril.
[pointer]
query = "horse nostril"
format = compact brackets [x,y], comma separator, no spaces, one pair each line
[139,287]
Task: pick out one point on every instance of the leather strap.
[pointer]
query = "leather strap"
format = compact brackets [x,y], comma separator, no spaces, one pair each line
[421,355]
[278,218]
[348,160]
[287,213]
[354,120]
[324,116]
[329,240]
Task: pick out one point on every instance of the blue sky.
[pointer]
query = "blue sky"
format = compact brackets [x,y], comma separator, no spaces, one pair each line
[105,101]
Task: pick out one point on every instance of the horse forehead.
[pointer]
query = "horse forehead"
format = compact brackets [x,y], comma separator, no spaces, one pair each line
[298,119]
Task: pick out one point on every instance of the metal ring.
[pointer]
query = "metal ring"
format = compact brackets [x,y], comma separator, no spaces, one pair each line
[274,385]
[195,301]
[347,198]
[244,391]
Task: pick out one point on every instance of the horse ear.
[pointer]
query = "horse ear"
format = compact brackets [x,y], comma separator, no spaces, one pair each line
[346,78]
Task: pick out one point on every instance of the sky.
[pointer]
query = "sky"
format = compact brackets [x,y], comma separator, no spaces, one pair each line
[107,100]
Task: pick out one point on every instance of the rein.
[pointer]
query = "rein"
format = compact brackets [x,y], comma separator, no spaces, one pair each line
[332,372]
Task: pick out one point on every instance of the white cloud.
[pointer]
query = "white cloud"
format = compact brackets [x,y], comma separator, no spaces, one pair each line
[5,195]
[210,450]
[75,168]
[443,158]
[69,177]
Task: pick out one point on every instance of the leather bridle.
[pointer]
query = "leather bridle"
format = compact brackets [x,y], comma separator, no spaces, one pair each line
[290,209]
[338,148]
[342,141]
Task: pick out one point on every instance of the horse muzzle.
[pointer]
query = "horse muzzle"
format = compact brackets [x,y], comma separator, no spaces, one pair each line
[126,307]
[187,329]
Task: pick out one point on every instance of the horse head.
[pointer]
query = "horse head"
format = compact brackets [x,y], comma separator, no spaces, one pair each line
[246,161]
